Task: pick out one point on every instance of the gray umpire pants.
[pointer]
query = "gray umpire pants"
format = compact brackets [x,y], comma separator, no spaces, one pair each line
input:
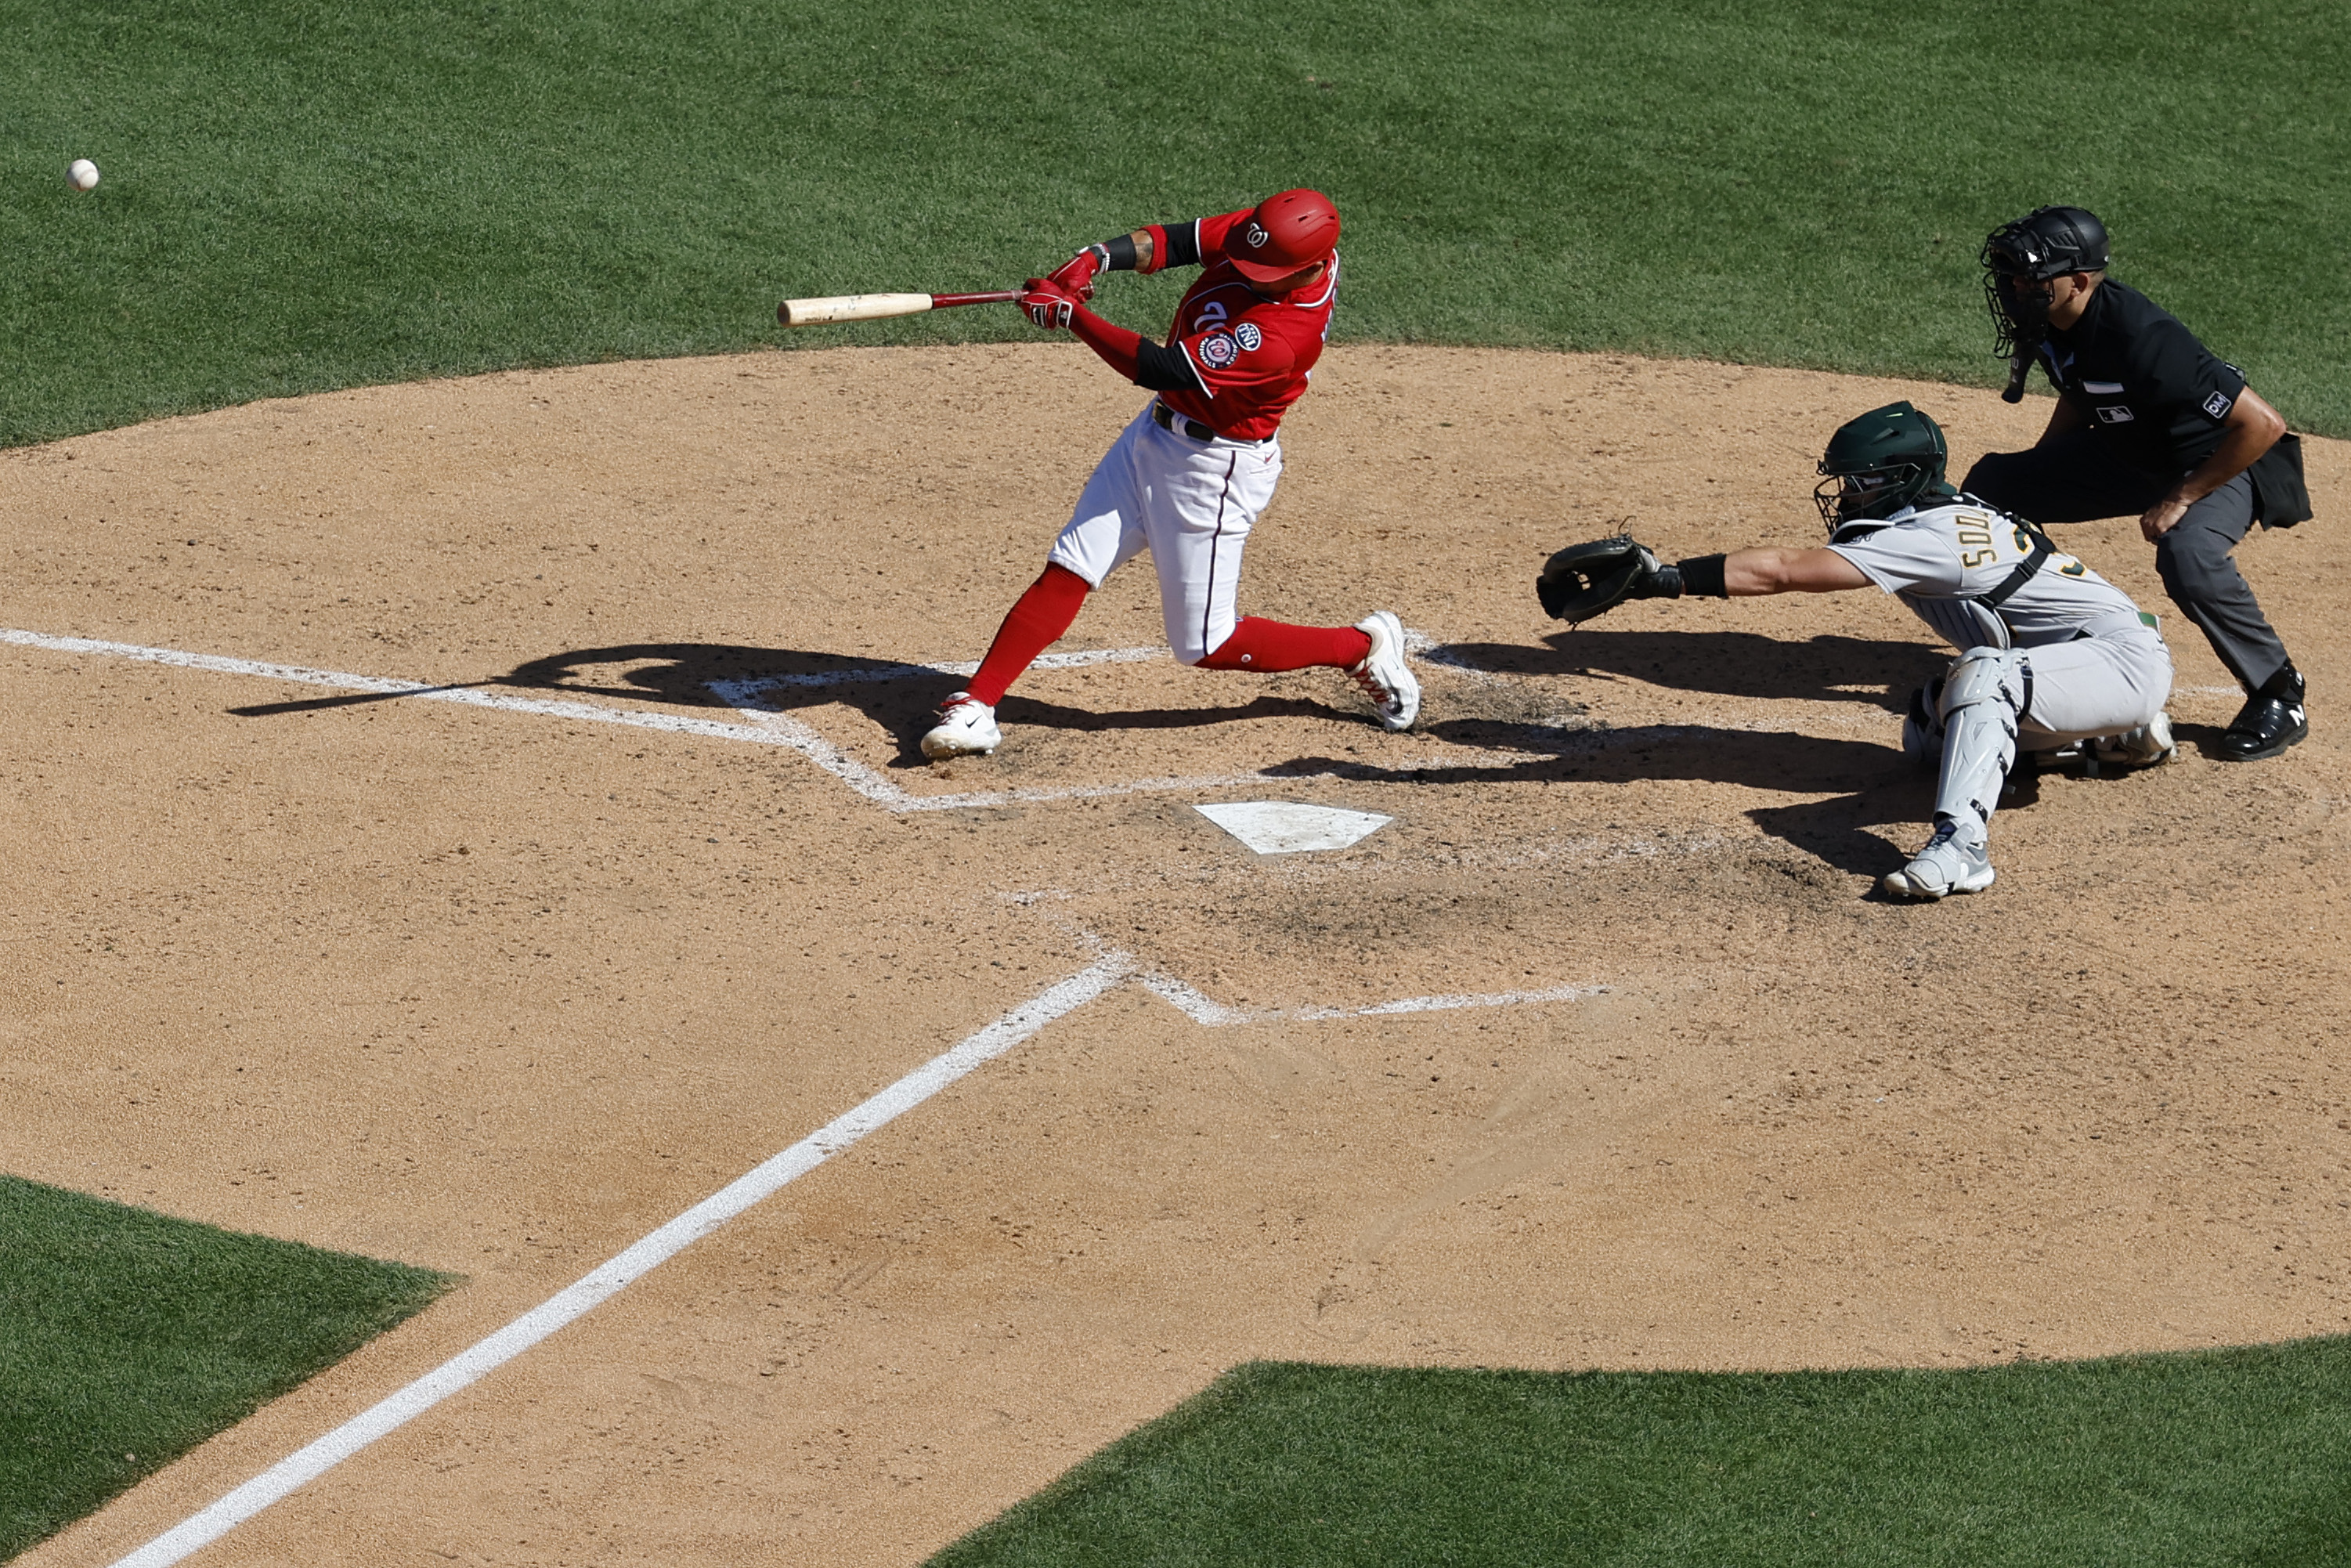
[2074,479]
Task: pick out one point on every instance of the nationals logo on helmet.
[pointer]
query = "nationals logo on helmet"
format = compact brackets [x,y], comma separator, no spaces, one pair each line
[1217,349]
[1282,235]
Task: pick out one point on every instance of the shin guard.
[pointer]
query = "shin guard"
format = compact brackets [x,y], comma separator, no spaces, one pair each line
[1984,697]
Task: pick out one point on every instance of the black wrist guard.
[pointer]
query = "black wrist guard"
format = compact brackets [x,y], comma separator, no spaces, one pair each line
[1118,255]
[1701,576]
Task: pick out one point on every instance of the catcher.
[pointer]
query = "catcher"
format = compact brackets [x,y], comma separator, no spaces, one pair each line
[2050,652]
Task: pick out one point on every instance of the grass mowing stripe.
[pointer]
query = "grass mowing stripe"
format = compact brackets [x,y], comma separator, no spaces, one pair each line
[127,1338]
[2221,1458]
[300,196]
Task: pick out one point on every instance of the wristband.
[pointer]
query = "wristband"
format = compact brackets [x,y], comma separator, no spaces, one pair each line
[1118,255]
[1702,576]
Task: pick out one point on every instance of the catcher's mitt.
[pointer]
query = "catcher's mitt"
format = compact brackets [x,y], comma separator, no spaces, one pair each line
[1583,580]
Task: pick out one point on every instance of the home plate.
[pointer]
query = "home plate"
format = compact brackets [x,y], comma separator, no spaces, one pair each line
[1285,827]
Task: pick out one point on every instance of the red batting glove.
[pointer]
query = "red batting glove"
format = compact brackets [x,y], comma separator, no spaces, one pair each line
[1076,276]
[1046,303]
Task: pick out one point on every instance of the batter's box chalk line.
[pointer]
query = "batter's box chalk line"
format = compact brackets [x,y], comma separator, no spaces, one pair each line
[764,723]
[633,1262]
[1210,1013]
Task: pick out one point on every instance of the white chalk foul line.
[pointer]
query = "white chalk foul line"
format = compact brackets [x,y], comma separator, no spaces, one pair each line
[314,1460]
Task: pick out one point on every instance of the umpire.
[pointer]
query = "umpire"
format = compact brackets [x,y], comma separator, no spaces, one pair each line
[2148,421]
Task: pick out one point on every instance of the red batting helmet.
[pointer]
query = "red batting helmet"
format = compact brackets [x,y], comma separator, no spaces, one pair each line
[1286,233]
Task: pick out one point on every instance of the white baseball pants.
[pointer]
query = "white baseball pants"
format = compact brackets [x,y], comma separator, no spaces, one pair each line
[1191,504]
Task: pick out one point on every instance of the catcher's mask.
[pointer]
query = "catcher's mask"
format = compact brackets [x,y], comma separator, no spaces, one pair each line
[2020,259]
[1887,459]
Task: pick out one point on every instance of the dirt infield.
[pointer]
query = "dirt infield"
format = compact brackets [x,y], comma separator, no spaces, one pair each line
[481,981]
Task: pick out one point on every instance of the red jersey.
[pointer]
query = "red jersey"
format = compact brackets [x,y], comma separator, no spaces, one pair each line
[1253,354]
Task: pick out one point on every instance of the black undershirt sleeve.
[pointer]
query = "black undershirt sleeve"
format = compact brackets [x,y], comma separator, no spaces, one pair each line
[1182,243]
[1162,369]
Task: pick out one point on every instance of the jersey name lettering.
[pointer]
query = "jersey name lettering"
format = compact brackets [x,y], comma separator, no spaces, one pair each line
[1976,548]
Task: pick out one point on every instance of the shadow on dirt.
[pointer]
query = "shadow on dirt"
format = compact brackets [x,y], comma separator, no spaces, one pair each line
[677,673]
[1731,664]
[1880,787]
[896,696]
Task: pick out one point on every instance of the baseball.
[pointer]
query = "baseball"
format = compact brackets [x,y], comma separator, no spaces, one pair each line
[83,175]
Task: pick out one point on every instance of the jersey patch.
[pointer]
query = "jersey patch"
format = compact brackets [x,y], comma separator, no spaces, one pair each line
[2114,413]
[2218,404]
[1248,336]
[1217,351]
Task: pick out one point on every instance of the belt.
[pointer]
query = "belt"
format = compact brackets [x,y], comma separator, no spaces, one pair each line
[1168,418]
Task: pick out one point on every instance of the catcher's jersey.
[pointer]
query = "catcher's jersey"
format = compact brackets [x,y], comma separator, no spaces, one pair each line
[1253,354]
[1941,559]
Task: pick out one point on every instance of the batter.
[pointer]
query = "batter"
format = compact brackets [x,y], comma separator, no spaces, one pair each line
[1188,478]
[2050,652]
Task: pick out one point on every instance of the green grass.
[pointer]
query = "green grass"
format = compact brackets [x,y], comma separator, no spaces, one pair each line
[301,194]
[2237,1456]
[126,1338]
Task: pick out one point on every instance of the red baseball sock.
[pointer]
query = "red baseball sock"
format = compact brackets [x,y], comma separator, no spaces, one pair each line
[1036,623]
[1269,647]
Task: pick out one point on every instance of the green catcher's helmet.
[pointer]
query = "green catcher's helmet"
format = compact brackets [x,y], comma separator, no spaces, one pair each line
[1887,459]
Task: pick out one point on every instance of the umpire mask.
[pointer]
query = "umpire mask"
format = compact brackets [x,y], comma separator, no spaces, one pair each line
[2020,259]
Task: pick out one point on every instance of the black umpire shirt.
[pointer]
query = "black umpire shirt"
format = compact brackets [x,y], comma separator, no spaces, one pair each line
[2156,397]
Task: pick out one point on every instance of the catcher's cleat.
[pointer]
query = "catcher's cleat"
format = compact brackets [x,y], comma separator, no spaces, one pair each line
[966,728]
[2148,745]
[1383,674]
[1944,867]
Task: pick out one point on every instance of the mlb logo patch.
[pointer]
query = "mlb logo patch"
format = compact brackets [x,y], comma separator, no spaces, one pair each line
[1217,349]
[2114,413]
[2216,406]
[1248,336]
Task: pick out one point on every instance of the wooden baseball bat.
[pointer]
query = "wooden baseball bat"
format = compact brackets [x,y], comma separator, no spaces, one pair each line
[873,306]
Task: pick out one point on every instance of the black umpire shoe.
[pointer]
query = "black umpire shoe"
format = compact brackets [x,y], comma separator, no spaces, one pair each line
[2271,720]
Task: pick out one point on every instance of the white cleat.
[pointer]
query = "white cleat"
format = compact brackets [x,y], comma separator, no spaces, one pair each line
[1383,676]
[966,728]
[1944,867]
[2148,745]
